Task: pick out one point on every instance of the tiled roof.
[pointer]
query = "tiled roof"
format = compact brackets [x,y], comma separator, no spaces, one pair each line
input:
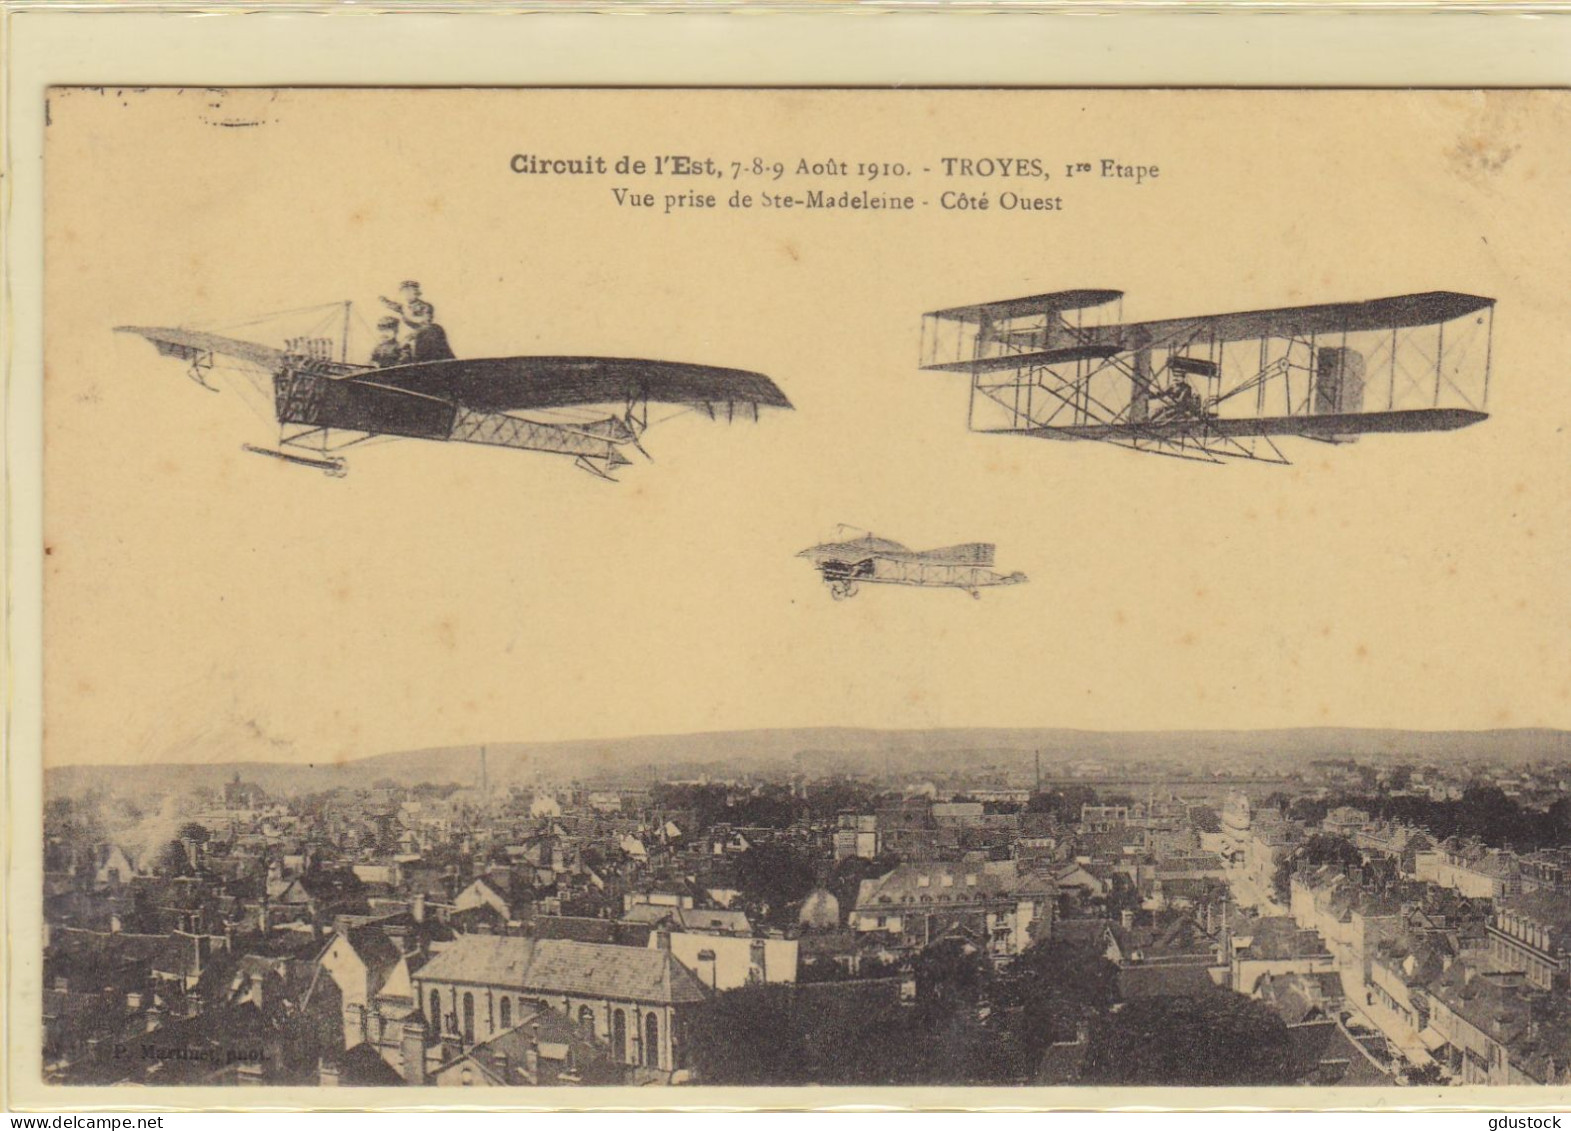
[561,966]
[1296,996]
[178,956]
[363,1066]
[1544,1049]
[1546,908]
[1080,930]
[710,919]
[592,970]
[373,946]
[505,1055]
[905,886]
[1165,980]
[1329,1056]
[1277,936]
[487,960]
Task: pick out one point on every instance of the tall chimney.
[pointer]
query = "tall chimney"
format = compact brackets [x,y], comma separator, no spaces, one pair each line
[412,1046]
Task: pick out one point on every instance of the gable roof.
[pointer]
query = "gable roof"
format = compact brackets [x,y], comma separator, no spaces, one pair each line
[1328,1055]
[593,970]
[562,966]
[502,1058]
[363,1066]
[485,960]
[373,946]
[1162,981]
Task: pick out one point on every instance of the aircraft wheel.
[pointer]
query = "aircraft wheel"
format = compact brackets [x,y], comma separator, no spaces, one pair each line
[850,589]
[976,594]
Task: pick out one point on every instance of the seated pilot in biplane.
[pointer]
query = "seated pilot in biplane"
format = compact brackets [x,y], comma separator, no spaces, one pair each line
[427,340]
[388,349]
[1182,400]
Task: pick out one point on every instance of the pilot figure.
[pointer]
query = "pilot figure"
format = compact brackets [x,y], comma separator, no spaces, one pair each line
[427,340]
[388,350]
[1185,401]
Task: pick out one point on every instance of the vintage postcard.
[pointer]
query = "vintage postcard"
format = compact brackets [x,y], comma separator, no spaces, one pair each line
[1050,594]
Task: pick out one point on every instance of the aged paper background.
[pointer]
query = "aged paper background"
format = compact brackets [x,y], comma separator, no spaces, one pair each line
[203,602]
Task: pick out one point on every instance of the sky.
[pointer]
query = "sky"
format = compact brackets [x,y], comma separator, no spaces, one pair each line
[205,604]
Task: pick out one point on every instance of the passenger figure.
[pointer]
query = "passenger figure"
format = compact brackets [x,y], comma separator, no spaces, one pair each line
[427,339]
[388,350]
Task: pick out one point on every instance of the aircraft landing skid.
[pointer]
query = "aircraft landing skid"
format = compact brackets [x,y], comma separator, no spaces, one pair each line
[331,466]
[843,589]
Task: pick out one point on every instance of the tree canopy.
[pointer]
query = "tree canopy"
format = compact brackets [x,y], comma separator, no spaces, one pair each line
[1483,812]
[784,1034]
[1214,1039]
[773,878]
[968,1023]
[1322,848]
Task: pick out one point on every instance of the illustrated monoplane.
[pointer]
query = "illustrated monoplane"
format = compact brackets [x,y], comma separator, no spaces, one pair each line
[1057,367]
[878,561]
[586,408]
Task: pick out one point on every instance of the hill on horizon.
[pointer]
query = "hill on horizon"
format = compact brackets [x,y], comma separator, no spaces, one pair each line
[822,750]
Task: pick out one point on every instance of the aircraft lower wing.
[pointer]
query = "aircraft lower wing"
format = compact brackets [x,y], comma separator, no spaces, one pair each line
[1016,361]
[1327,426]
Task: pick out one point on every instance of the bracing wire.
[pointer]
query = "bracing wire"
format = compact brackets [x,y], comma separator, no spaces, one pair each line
[216,325]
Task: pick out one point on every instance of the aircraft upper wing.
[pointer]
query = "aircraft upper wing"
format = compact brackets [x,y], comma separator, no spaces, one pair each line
[1089,342]
[1400,312]
[504,384]
[186,344]
[1030,304]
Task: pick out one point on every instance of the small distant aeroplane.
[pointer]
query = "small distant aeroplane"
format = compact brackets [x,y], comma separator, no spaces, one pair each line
[878,561]
[586,408]
[1217,385]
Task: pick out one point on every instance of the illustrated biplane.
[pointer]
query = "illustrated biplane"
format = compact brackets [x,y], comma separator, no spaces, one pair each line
[878,561]
[1056,366]
[586,408]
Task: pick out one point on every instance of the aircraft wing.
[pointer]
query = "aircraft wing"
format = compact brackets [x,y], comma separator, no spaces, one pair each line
[187,344]
[1324,426]
[511,384]
[869,547]
[1017,361]
[1008,308]
[968,553]
[1400,312]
